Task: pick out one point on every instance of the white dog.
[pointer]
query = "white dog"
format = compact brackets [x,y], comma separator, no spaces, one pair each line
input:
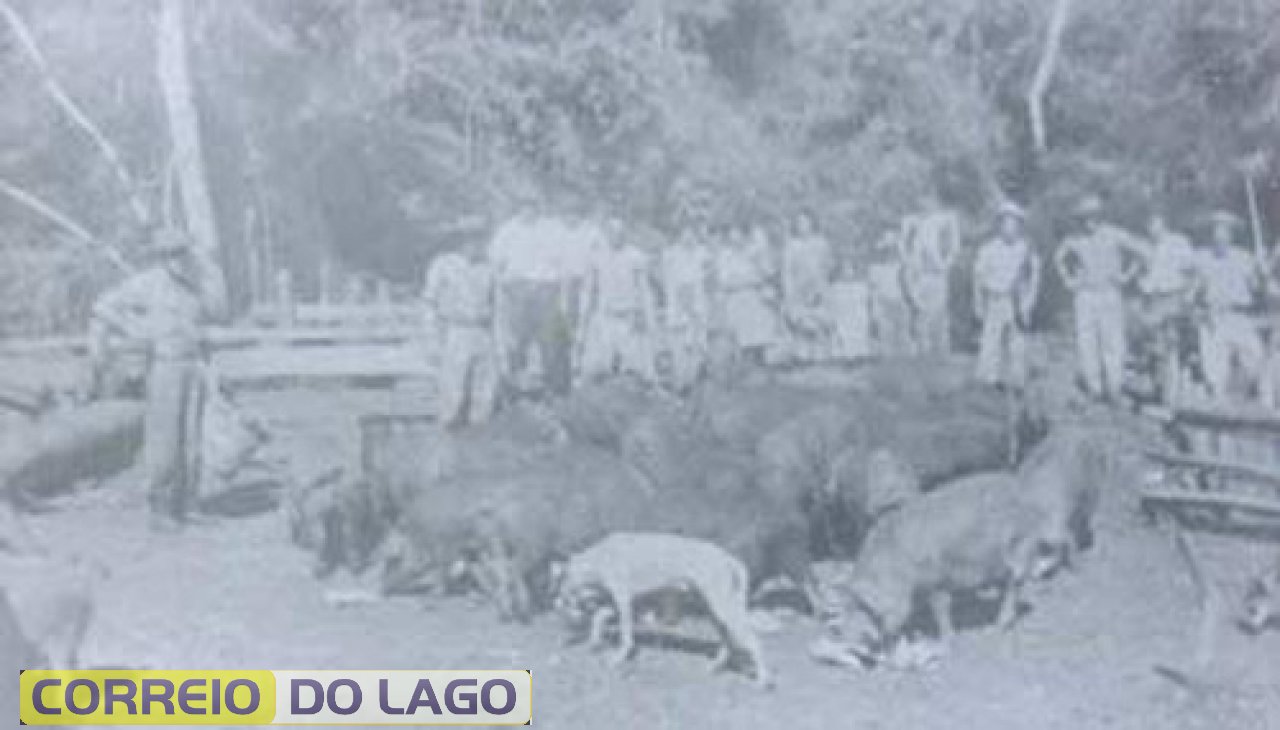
[626,566]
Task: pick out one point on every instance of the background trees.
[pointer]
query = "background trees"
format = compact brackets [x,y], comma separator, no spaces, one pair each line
[372,132]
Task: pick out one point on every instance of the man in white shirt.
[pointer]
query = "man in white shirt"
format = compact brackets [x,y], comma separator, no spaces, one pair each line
[1095,265]
[1167,292]
[459,296]
[1229,282]
[164,308]
[807,265]
[687,307]
[931,240]
[617,316]
[1006,283]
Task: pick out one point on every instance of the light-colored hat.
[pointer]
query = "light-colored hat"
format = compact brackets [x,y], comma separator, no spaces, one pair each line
[1010,209]
[1222,217]
[1089,205]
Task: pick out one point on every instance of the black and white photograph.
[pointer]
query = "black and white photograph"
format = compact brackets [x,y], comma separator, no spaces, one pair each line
[754,364]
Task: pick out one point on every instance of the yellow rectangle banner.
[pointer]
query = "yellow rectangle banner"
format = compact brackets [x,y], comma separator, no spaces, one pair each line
[133,697]
[262,697]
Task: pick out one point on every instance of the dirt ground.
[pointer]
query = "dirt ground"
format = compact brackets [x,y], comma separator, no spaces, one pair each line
[234,593]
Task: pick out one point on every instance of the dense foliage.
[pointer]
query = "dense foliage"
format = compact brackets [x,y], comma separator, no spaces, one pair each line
[374,131]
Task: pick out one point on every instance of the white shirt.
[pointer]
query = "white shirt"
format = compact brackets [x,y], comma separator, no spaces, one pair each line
[806,270]
[1171,265]
[621,279]
[684,281]
[1001,266]
[458,291]
[1096,260]
[1228,278]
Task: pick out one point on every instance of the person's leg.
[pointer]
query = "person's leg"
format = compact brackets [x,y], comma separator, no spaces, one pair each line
[1215,357]
[1114,344]
[1017,367]
[191,446]
[455,361]
[485,379]
[162,433]
[992,342]
[1087,341]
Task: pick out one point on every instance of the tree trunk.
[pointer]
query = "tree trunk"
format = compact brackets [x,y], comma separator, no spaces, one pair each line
[1044,73]
[184,126]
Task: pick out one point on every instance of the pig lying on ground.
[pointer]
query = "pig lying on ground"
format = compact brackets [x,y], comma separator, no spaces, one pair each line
[966,537]
[624,567]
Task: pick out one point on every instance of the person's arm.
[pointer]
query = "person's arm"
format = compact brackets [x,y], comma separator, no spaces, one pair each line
[1137,260]
[979,291]
[1028,303]
[1063,266]
[950,242]
[123,308]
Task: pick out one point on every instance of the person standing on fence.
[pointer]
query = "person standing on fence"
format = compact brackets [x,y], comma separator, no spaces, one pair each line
[165,306]
[931,240]
[458,297]
[1230,282]
[1006,283]
[1095,266]
[807,266]
[617,319]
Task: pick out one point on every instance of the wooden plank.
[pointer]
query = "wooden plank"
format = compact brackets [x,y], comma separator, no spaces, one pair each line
[1224,418]
[351,361]
[1219,500]
[1221,466]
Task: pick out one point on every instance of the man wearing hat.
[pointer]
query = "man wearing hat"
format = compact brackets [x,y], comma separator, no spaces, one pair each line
[1229,283]
[1006,283]
[163,307]
[1095,265]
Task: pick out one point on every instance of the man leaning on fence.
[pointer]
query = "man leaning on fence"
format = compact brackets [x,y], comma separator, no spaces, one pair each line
[165,307]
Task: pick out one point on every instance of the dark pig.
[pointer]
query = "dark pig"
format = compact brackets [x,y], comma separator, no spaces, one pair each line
[969,536]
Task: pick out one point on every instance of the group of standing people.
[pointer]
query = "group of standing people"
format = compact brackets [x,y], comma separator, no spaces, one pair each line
[582,300]
[587,300]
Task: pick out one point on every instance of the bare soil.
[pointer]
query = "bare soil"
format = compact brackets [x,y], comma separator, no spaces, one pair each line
[235,593]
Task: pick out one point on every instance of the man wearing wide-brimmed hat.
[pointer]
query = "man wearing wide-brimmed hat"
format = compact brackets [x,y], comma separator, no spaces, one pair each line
[1006,283]
[1095,265]
[1229,282]
[163,307]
